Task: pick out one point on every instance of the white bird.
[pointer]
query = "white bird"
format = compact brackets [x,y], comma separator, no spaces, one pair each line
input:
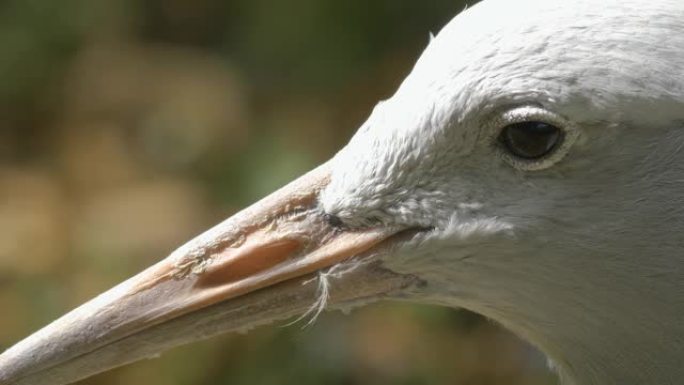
[530,168]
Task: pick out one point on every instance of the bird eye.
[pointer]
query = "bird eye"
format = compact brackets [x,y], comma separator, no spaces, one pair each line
[530,140]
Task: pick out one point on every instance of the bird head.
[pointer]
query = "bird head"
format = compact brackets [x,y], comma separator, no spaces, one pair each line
[529,168]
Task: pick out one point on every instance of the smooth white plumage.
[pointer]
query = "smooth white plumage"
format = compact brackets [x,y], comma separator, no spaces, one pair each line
[580,251]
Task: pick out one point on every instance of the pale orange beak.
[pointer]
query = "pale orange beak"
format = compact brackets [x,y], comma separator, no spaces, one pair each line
[249,270]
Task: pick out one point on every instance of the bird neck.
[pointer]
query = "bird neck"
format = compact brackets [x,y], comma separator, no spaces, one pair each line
[601,319]
[611,322]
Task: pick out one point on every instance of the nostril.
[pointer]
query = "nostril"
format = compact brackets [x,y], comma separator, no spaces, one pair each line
[333,220]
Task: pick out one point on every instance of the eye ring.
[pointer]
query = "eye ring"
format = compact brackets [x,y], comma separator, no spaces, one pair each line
[531,138]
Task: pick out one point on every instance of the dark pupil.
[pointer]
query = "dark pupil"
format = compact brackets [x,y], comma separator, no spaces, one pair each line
[530,140]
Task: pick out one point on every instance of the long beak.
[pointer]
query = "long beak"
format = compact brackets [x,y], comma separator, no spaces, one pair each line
[249,270]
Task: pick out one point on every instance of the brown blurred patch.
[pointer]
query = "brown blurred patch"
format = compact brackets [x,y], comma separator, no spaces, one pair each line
[33,221]
[385,344]
[15,315]
[175,105]
[95,156]
[144,220]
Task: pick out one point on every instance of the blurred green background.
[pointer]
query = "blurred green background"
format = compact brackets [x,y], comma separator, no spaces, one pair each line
[127,127]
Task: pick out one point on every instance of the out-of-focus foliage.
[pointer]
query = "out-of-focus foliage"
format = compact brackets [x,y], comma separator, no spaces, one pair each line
[129,126]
